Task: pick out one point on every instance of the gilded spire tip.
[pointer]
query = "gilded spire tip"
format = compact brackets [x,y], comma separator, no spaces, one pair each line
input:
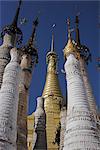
[52,41]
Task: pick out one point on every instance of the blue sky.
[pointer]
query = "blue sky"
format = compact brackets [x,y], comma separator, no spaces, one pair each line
[57,12]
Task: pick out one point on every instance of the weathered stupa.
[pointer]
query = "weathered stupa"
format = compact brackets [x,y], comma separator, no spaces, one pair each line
[52,99]
[28,62]
[9,95]
[81,129]
[9,83]
[9,35]
[55,124]
[84,59]
[40,141]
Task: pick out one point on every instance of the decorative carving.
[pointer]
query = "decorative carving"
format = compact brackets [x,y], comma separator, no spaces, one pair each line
[29,49]
[84,52]
[81,130]
[11,29]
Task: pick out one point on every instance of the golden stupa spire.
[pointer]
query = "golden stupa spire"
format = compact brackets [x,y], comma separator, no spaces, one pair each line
[51,57]
[52,84]
[52,98]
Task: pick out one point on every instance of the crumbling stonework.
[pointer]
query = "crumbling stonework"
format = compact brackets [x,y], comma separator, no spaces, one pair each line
[26,75]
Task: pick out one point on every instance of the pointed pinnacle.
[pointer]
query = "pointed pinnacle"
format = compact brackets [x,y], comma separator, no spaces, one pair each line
[77,20]
[69,31]
[15,20]
[35,24]
[52,43]
[77,31]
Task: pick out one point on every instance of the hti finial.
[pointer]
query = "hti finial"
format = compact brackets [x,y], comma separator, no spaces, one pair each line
[77,20]
[29,48]
[15,20]
[35,24]
[77,30]
[69,30]
[52,42]
[82,49]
